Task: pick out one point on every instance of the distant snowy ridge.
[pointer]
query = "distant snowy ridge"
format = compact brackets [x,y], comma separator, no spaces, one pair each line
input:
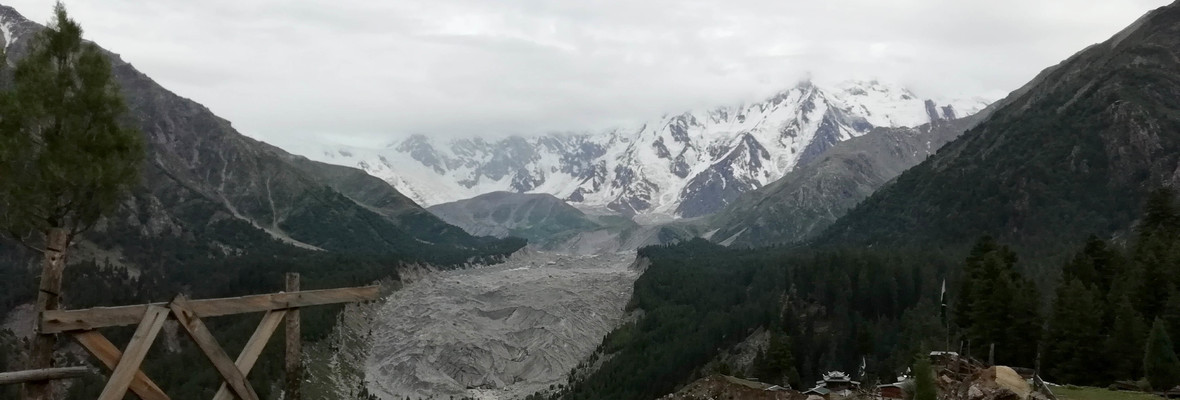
[682,165]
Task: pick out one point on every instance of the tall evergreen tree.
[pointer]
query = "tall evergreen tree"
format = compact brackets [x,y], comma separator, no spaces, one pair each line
[1155,253]
[924,386]
[1129,333]
[777,365]
[1026,325]
[972,274]
[65,158]
[1160,214]
[1001,307]
[1094,266]
[1073,340]
[1171,312]
[1159,360]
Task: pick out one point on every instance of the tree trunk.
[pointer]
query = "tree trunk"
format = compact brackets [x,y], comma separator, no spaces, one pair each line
[48,298]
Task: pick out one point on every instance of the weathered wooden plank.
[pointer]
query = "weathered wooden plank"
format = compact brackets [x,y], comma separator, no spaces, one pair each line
[109,355]
[294,365]
[42,375]
[208,344]
[253,348]
[56,321]
[137,348]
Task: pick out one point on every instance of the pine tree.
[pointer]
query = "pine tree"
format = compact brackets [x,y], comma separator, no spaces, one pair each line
[1095,266]
[924,386]
[1155,253]
[1003,306]
[1171,312]
[1025,327]
[1128,334]
[780,363]
[972,274]
[1073,339]
[1159,360]
[65,158]
[1160,216]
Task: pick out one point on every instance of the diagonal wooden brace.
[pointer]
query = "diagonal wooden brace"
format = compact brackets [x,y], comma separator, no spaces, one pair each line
[196,329]
[109,355]
[137,348]
[253,348]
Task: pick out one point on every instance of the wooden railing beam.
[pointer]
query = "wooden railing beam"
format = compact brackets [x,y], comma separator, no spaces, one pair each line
[57,321]
[106,353]
[42,375]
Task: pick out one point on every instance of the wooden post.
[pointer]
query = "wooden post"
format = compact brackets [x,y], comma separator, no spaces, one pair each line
[52,374]
[991,355]
[48,298]
[294,348]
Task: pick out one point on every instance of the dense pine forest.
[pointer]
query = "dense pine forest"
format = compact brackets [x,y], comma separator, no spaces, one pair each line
[833,309]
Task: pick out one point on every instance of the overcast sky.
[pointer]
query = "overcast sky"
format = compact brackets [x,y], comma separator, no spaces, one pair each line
[365,71]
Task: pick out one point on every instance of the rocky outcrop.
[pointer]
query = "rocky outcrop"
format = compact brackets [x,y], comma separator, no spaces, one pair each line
[812,197]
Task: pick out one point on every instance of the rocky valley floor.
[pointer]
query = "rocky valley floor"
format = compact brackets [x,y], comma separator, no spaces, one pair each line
[498,332]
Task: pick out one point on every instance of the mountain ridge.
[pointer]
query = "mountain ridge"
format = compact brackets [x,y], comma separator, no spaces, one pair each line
[1073,153]
[678,165]
[203,181]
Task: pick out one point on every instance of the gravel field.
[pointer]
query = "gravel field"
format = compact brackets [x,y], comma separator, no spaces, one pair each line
[499,332]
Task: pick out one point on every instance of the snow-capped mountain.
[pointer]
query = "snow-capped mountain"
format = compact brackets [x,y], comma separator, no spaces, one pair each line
[681,165]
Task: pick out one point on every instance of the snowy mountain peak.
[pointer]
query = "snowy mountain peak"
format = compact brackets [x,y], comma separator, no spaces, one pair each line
[677,165]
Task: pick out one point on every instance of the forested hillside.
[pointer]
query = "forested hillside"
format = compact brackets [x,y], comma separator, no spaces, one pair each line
[1041,222]
[836,307]
[1072,156]
[217,214]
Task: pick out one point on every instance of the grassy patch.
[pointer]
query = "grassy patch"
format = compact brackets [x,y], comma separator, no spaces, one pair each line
[1090,393]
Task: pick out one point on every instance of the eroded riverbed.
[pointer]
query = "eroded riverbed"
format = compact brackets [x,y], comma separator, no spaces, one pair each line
[499,332]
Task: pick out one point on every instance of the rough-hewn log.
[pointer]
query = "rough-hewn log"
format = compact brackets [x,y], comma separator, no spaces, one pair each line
[42,375]
[153,319]
[48,297]
[294,365]
[109,355]
[253,348]
[54,321]
[197,330]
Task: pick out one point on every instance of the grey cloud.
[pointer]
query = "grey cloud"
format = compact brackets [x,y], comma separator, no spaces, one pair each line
[365,71]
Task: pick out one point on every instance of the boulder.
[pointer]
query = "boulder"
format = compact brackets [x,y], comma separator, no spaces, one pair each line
[997,383]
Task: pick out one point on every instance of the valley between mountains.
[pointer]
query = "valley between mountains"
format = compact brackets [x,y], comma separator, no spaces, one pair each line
[497,332]
[835,233]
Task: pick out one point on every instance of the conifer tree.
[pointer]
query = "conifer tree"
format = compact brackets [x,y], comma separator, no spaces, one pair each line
[65,158]
[1129,333]
[1171,312]
[924,387]
[1159,360]
[1095,266]
[1155,253]
[1073,340]
[1002,308]
[778,365]
[1160,215]
[972,274]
